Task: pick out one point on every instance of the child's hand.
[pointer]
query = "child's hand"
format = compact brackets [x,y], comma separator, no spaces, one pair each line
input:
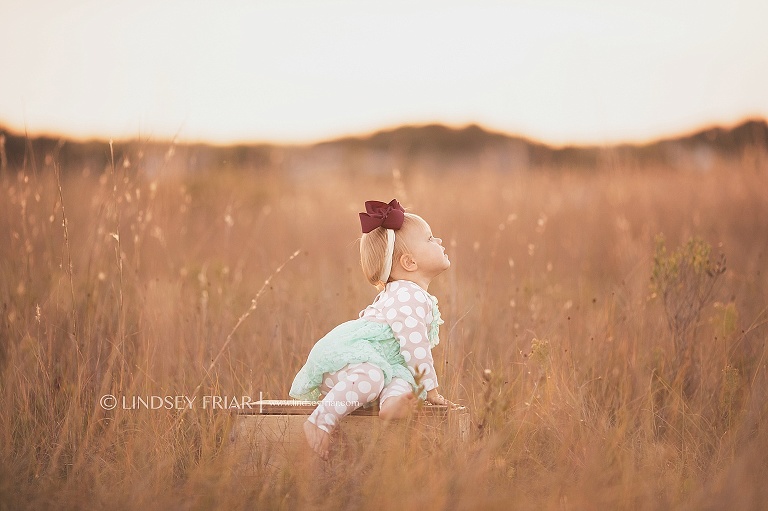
[433,397]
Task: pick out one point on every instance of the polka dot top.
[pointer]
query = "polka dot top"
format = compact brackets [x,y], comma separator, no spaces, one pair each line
[414,318]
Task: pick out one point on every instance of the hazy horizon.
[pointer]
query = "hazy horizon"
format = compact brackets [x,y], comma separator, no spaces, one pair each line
[363,135]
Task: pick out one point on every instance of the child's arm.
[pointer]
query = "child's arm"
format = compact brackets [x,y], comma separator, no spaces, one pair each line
[406,315]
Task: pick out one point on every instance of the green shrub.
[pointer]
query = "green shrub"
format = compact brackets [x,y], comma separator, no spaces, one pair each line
[685,280]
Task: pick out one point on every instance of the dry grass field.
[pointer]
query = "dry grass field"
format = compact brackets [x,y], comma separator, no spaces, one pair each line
[124,282]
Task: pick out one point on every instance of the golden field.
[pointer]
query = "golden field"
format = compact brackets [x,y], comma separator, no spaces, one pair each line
[131,283]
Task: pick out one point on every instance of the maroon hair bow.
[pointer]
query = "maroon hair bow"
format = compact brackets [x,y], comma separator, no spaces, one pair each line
[379,214]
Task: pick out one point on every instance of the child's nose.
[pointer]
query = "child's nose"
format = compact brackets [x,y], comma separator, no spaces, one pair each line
[439,241]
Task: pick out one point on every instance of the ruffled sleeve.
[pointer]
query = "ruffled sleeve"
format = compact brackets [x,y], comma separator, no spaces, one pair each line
[434,325]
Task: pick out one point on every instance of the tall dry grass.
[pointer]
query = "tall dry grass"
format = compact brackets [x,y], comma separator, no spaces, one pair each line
[125,283]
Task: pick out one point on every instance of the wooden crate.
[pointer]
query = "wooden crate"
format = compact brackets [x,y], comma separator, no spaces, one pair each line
[270,432]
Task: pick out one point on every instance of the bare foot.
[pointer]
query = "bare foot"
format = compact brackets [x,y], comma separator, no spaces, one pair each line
[398,407]
[318,439]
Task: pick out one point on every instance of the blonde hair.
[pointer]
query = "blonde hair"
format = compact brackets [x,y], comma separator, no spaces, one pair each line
[373,249]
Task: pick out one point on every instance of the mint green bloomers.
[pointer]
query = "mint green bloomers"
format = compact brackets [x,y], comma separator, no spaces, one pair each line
[362,340]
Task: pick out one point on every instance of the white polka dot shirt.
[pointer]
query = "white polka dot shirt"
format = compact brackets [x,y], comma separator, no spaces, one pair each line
[407,309]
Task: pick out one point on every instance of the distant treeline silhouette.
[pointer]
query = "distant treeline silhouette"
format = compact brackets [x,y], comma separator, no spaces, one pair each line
[431,146]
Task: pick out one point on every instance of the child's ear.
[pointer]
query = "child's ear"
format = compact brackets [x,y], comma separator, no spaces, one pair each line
[408,263]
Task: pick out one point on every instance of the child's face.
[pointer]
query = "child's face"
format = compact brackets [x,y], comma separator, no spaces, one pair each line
[426,250]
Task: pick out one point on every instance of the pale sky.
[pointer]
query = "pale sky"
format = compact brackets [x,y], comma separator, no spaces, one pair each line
[561,71]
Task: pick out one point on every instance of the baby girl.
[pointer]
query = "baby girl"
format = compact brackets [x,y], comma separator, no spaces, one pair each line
[377,355]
